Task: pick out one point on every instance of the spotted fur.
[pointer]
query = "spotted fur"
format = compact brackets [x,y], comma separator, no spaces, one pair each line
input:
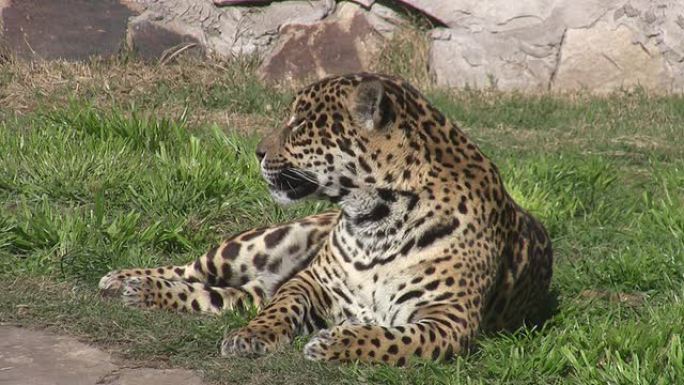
[427,249]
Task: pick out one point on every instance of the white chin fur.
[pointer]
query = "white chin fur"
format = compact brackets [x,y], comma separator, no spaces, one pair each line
[281,198]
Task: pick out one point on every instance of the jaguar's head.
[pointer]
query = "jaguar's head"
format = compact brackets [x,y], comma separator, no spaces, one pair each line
[342,134]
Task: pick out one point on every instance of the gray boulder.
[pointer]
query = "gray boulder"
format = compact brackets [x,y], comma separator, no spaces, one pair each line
[601,45]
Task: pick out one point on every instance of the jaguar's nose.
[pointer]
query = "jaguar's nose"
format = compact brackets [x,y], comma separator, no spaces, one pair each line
[260,151]
[260,154]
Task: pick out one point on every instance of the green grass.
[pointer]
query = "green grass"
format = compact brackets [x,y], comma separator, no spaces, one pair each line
[86,187]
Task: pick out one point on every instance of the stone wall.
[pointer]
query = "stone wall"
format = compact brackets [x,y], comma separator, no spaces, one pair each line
[532,45]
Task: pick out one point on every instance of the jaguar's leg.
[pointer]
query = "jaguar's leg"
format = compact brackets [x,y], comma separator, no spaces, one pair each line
[249,266]
[445,332]
[296,308]
[161,293]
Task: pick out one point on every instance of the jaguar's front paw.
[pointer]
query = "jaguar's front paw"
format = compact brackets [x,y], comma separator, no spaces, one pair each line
[111,283]
[248,342]
[324,346]
[137,292]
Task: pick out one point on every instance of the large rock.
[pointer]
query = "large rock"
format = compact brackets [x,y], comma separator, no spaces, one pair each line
[459,58]
[247,29]
[605,57]
[77,29]
[234,30]
[66,29]
[600,45]
[345,42]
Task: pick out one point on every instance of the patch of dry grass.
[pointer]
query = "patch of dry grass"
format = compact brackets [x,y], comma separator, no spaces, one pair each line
[228,94]
[164,90]
[406,55]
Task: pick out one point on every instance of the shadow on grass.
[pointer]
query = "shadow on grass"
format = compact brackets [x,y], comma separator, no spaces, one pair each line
[550,308]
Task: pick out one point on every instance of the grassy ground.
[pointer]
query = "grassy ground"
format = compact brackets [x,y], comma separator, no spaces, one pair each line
[113,164]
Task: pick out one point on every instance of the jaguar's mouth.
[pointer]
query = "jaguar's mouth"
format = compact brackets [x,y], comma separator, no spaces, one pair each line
[293,184]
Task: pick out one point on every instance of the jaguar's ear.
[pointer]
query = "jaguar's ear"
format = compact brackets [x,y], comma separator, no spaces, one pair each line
[371,105]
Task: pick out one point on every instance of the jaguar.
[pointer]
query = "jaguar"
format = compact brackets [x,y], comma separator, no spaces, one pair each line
[426,250]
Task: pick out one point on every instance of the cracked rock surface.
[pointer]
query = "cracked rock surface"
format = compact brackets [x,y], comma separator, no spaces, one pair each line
[564,45]
[30,357]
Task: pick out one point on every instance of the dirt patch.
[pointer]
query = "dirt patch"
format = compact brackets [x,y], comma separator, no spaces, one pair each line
[31,357]
[629,299]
